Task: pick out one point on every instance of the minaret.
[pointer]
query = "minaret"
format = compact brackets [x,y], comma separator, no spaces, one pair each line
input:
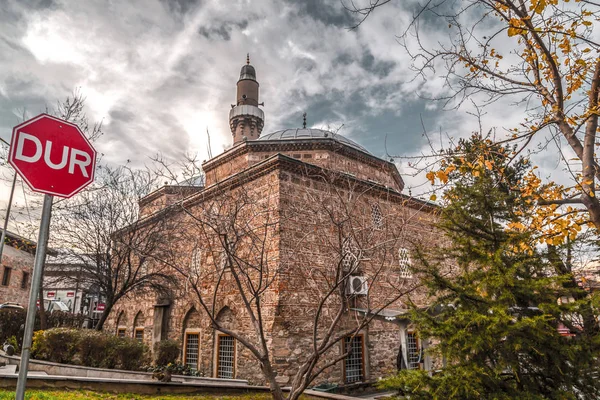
[246,120]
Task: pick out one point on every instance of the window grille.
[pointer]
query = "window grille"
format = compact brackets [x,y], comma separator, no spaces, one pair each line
[405,263]
[349,258]
[195,264]
[354,370]
[376,216]
[191,350]
[121,332]
[413,351]
[226,357]
[139,334]
[6,276]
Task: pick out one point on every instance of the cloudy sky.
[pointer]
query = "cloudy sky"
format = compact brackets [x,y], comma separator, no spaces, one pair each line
[159,73]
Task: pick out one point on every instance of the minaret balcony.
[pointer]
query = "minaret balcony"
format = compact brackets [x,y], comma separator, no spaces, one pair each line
[246,109]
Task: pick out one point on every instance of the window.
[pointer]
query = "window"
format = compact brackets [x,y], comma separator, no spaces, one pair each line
[139,334]
[25,280]
[121,332]
[405,263]
[6,276]
[192,350]
[376,216]
[349,258]
[195,265]
[225,357]
[413,351]
[354,370]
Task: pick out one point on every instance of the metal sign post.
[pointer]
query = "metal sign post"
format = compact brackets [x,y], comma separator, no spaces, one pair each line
[75,170]
[38,265]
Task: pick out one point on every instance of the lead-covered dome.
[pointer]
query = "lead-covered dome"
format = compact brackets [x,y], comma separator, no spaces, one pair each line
[305,133]
[248,72]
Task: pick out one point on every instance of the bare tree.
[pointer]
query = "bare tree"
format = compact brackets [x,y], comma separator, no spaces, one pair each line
[100,229]
[254,244]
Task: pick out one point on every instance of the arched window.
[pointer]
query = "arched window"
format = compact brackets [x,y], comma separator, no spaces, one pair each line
[196,263]
[121,324]
[376,216]
[349,255]
[138,327]
[404,263]
[191,339]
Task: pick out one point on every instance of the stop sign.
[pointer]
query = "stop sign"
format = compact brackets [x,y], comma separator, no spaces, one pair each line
[53,156]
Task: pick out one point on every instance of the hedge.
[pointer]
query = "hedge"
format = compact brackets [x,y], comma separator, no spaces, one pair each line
[89,348]
[12,322]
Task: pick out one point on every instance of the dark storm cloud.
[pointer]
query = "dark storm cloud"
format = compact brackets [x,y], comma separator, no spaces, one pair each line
[181,6]
[223,31]
[379,68]
[328,12]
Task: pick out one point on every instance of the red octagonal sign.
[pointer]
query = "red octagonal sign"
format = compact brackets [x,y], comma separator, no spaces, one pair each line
[53,156]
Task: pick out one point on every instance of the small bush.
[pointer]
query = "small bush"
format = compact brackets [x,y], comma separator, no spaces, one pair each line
[89,348]
[92,346]
[65,319]
[12,322]
[130,354]
[56,345]
[166,352]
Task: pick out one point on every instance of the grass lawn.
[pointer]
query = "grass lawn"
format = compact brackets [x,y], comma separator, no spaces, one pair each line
[86,395]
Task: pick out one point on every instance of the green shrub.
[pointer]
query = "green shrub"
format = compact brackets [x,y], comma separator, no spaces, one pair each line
[166,352]
[12,322]
[65,319]
[13,342]
[56,345]
[130,354]
[92,346]
[89,348]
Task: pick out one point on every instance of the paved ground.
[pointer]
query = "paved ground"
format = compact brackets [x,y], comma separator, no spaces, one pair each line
[376,396]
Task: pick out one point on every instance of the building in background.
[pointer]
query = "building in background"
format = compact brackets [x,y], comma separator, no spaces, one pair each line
[16,269]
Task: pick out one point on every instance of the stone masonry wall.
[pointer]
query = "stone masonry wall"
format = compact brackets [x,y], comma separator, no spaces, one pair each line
[302,249]
[20,263]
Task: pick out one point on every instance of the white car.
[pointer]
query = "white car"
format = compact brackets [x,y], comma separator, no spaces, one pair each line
[55,305]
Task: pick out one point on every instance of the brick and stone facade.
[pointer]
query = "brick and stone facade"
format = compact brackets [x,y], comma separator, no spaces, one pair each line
[305,202]
[16,270]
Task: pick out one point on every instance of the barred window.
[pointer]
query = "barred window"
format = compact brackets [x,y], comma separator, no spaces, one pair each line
[413,351]
[404,263]
[121,332]
[354,367]
[191,350]
[139,334]
[376,216]
[349,258]
[226,357]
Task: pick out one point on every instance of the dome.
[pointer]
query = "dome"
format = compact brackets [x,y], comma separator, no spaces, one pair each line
[248,72]
[307,134]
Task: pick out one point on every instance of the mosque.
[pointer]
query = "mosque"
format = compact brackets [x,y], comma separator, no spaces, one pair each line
[297,241]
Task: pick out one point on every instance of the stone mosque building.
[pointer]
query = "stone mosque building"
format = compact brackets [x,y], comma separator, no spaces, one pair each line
[326,204]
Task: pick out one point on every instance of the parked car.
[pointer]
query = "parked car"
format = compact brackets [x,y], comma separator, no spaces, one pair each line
[13,306]
[55,305]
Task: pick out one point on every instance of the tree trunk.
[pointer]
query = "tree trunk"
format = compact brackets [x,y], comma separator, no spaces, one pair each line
[274,387]
[108,306]
[43,317]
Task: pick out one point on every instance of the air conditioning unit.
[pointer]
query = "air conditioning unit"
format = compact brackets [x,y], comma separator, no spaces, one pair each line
[357,285]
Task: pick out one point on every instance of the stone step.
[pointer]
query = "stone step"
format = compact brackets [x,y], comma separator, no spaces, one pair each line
[8,370]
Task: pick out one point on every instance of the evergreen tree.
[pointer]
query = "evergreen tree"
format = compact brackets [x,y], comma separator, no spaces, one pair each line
[495,309]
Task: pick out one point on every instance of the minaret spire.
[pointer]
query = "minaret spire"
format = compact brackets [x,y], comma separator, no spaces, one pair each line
[246,120]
